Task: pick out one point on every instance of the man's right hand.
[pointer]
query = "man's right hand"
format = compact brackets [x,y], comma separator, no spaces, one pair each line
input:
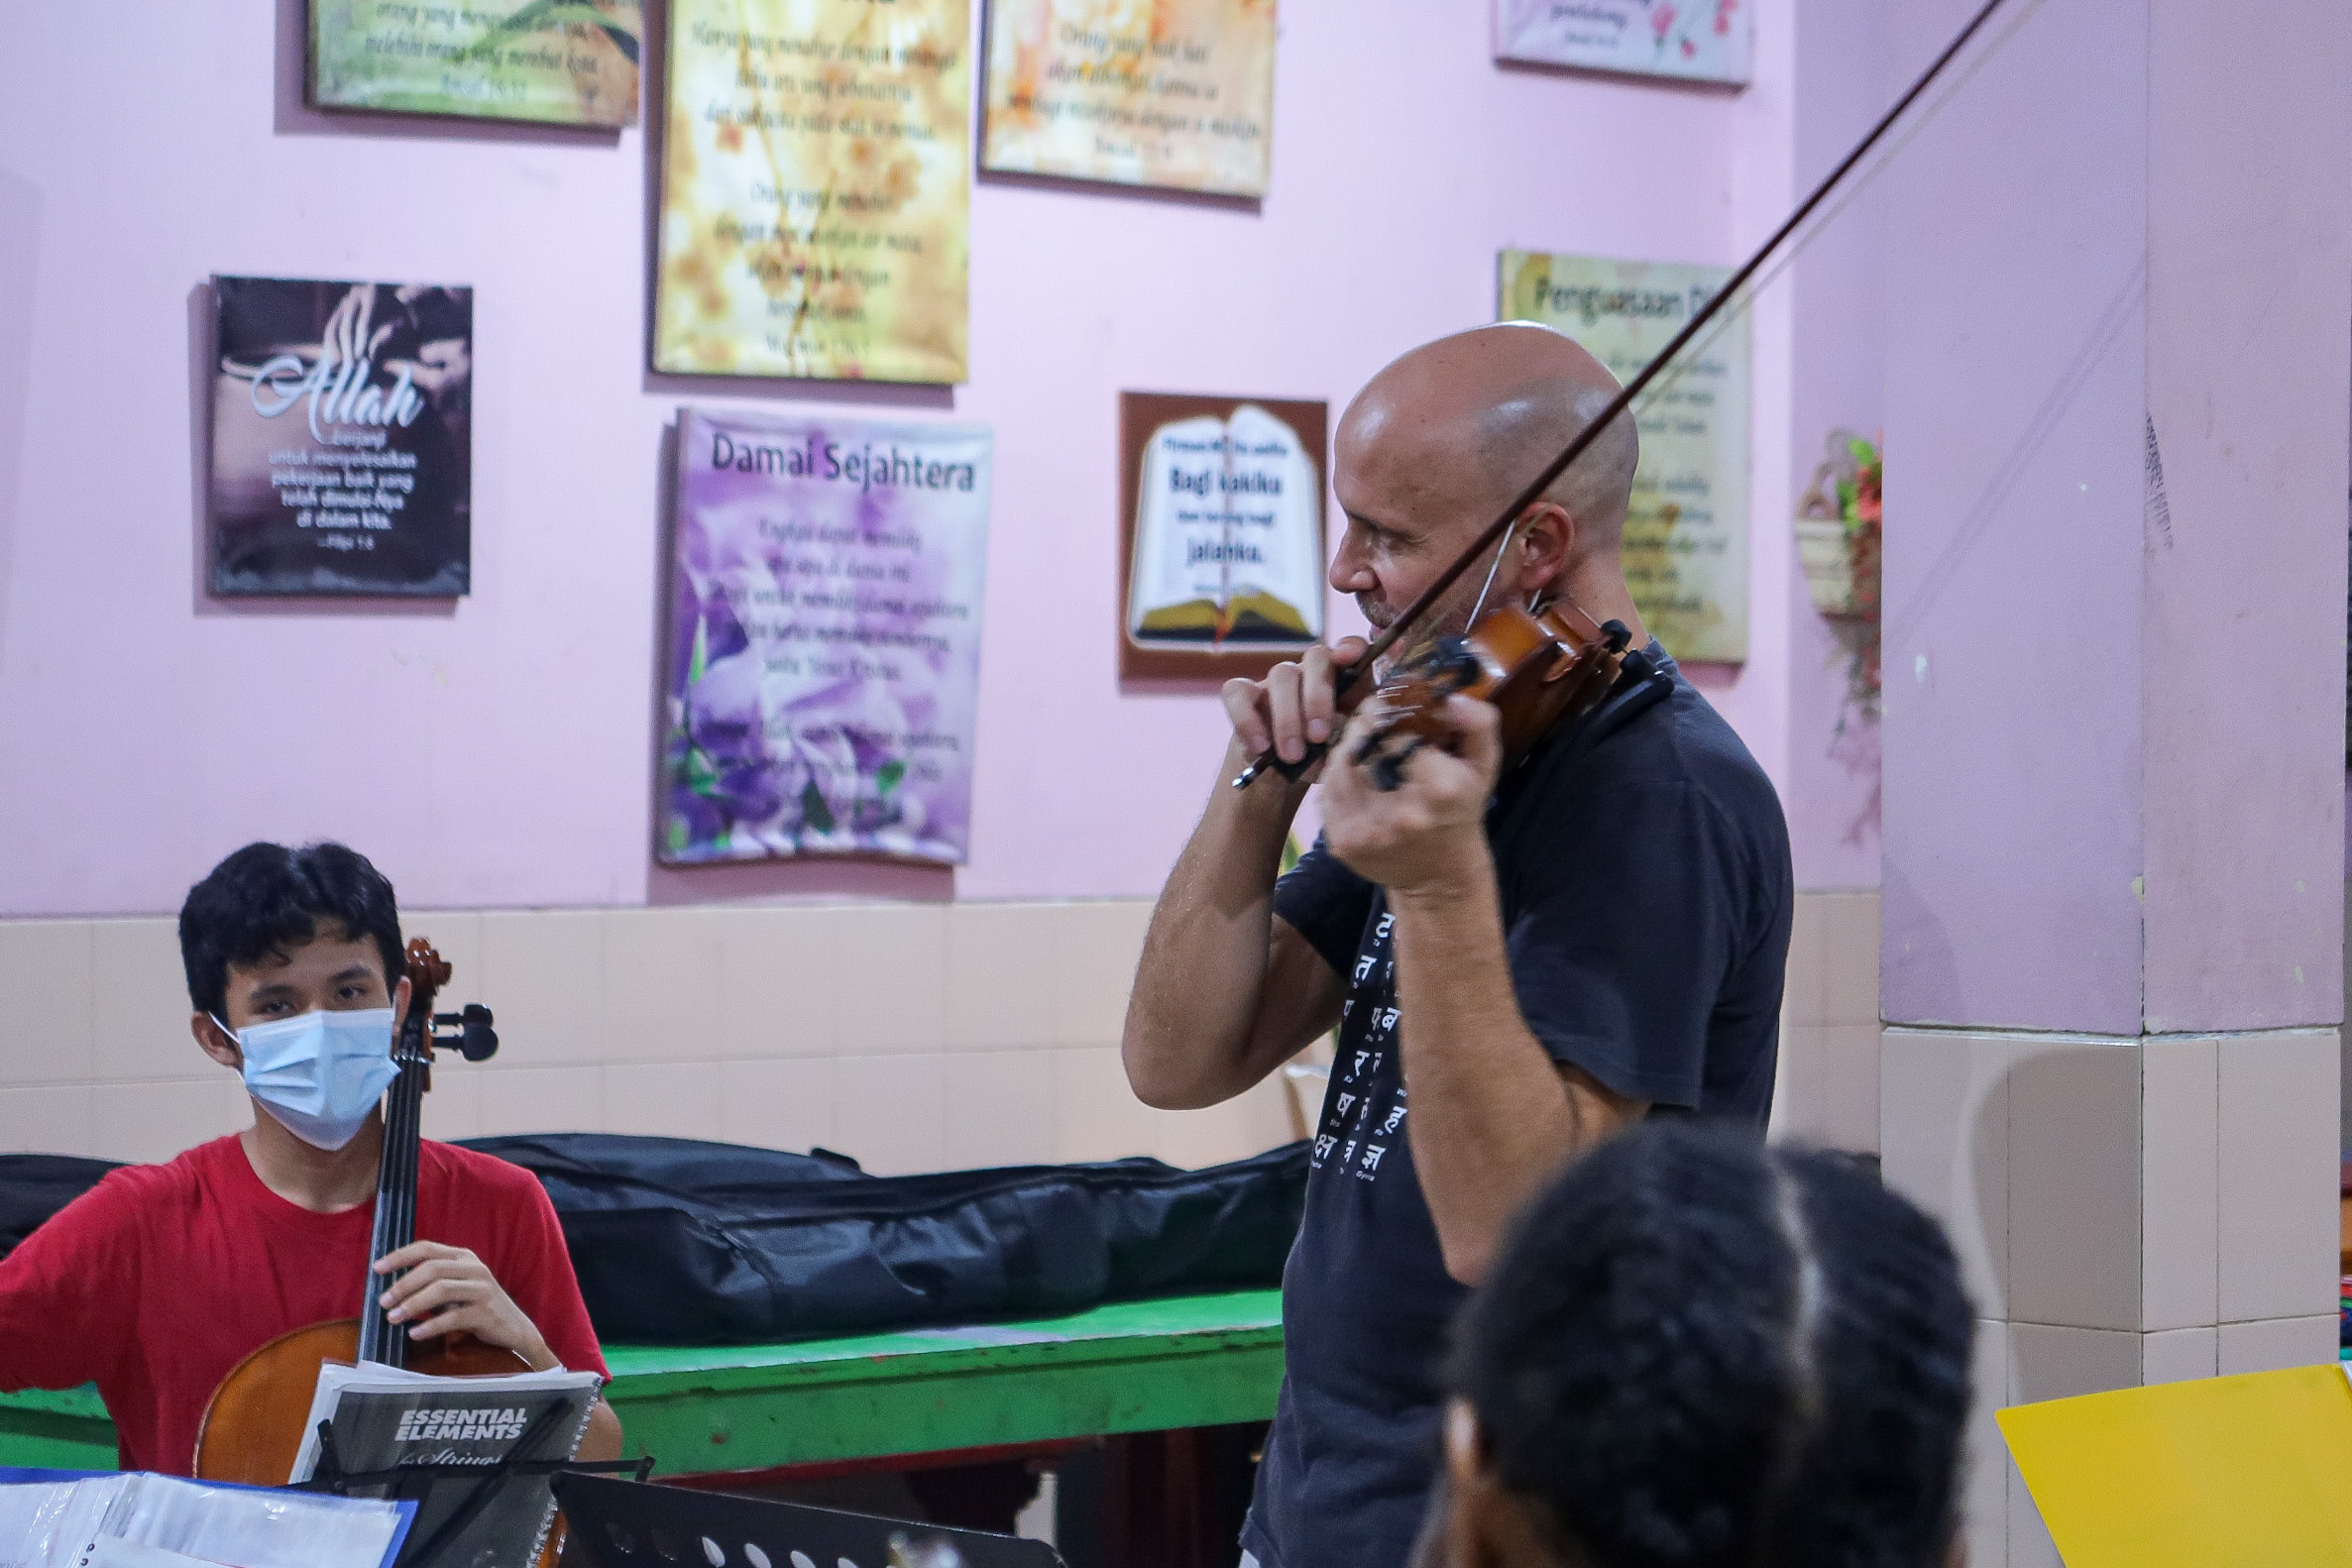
[1294,708]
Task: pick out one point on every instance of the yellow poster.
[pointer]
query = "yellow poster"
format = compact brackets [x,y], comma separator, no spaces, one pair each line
[1173,93]
[2218,1473]
[1686,534]
[815,194]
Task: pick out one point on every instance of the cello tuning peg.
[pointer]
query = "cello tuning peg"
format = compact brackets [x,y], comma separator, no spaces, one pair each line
[1614,634]
[477,1040]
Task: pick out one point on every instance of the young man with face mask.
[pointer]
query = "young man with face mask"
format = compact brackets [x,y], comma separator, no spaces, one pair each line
[158,1280]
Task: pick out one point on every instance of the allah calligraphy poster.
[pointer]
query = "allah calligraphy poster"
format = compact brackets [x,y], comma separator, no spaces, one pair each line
[824,640]
[1221,549]
[1686,534]
[816,190]
[562,61]
[341,438]
[1694,40]
[1172,93]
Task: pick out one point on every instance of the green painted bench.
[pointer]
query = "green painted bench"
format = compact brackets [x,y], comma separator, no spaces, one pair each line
[1132,1367]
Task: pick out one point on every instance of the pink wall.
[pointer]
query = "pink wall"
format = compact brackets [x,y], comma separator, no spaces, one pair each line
[2113,728]
[1836,380]
[499,753]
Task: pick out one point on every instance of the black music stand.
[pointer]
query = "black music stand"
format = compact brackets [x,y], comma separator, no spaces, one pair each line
[625,1524]
[416,1481]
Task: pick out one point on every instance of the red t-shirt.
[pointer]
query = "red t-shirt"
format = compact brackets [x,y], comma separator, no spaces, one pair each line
[156,1281]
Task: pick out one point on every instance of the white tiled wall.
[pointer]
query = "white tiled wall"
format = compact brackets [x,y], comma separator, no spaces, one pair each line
[2125,1212]
[1827,1085]
[912,1036]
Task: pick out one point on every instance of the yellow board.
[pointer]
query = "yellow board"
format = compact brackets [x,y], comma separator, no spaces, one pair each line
[1176,93]
[1686,527]
[2223,1472]
[816,190]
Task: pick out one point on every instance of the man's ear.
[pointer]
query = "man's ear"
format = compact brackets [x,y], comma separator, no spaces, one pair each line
[1543,544]
[215,1041]
[400,995]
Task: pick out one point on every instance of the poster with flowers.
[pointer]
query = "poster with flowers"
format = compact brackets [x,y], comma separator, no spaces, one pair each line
[1694,40]
[1174,93]
[824,639]
[816,190]
[562,61]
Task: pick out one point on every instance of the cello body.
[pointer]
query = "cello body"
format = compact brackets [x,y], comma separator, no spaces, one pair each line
[253,1425]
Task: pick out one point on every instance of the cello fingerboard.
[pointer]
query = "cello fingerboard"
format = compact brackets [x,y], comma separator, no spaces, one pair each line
[381,1339]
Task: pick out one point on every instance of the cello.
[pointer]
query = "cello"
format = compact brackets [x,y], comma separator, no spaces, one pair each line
[253,1425]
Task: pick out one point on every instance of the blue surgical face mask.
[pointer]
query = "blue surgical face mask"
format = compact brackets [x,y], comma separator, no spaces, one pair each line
[319,1073]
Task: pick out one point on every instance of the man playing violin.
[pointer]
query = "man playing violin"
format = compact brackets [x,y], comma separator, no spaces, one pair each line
[1535,956]
[160,1279]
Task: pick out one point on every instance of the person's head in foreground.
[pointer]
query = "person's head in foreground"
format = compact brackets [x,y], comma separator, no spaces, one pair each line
[1698,1351]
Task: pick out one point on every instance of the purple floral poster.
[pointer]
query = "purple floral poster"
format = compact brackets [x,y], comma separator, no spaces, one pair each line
[823,653]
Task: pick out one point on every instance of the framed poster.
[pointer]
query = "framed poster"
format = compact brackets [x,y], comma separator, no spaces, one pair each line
[1221,533]
[1694,40]
[1178,94]
[561,61]
[341,441]
[823,654]
[816,190]
[1686,534]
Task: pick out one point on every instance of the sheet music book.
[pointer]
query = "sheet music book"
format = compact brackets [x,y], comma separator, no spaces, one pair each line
[384,1417]
[141,1521]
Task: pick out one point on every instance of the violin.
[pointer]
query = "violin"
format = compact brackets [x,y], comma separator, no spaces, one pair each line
[1512,658]
[253,1425]
[1538,667]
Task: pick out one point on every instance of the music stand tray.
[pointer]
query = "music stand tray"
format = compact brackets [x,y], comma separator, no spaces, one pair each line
[629,1525]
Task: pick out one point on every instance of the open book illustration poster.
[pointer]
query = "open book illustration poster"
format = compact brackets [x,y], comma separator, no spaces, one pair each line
[1221,545]
[342,444]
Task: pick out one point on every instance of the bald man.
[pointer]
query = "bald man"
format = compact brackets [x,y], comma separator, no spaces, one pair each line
[1536,957]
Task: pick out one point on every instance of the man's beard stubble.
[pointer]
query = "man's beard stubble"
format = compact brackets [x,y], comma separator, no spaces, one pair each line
[1450,618]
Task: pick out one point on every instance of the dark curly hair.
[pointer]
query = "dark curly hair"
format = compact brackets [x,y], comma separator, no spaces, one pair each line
[1700,1351]
[266,898]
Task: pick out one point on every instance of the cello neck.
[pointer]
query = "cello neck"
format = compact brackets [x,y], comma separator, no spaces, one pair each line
[394,1224]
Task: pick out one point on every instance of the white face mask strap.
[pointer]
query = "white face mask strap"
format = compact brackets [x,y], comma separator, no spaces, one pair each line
[1488,586]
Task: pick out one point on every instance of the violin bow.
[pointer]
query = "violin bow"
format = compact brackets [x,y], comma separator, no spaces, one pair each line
[1626,398]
